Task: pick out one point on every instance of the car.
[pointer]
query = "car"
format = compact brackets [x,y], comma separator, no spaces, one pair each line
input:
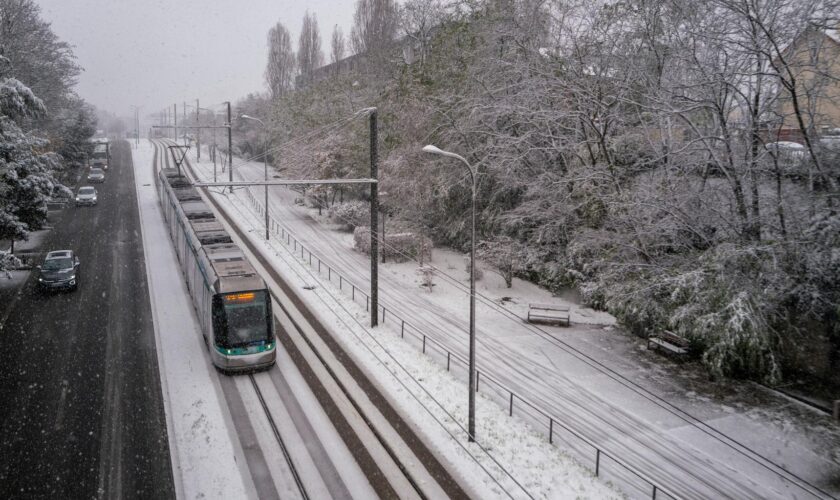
[96,175]
[86,196]
[60,271]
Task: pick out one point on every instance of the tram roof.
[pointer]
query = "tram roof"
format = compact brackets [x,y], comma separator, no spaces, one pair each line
[233,269]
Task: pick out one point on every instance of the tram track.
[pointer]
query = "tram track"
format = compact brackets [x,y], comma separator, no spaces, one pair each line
[279,438]
[383,463]
[291,469]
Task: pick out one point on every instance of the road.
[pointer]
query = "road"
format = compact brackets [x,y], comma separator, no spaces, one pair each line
[82,413]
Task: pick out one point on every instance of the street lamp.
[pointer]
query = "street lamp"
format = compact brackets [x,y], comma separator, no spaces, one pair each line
[474,177]
[265,165]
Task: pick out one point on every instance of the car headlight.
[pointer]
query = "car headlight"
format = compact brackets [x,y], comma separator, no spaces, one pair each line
[77,198]
[72,277]
[40,280]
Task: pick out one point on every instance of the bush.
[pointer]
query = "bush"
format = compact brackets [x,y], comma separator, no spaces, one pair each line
[398,247]
[350,215]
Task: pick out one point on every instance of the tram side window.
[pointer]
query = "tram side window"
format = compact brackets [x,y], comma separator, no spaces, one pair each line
[242,318]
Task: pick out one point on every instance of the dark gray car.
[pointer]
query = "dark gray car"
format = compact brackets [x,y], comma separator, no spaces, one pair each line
[96,175]
[60,270]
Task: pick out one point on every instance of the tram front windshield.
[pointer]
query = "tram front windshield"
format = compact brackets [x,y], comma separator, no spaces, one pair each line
[246,319]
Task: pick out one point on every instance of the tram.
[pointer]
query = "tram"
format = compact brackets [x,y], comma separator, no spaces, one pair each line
[230,299]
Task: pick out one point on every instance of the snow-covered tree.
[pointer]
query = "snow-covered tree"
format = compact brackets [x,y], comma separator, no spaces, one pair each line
[26,173]
[281,66]
[309,55]
[337,45]
[375,24]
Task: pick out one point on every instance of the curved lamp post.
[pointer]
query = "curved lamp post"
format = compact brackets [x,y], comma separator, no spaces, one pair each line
[474,178]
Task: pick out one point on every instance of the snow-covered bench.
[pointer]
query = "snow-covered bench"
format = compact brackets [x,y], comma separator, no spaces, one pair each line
[549,314]
[669,341]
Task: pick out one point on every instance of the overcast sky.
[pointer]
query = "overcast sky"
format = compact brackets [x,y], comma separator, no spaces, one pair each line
[154,53]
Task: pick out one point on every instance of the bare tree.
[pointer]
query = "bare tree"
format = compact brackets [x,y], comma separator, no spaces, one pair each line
[375,25]
[280,70]
[337,45]
[310,56]
[417,19]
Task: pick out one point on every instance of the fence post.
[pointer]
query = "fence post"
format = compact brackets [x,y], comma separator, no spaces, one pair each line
[424,344]
[510,414]
[550,430]
[329,273]
[654,493]
[837,409]
[598,462]
[367,303]
[402,329]
[340,282]
[310,259]
[319,266]
[447,360]
[383,314]
[353,292]
[477,378]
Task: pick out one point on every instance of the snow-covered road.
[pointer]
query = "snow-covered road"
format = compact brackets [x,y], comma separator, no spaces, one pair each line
[679,452]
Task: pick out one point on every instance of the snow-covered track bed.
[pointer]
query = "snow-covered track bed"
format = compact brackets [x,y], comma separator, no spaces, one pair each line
[290,447]
[395,460]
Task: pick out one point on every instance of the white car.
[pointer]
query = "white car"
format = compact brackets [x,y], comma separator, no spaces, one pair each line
[86,196]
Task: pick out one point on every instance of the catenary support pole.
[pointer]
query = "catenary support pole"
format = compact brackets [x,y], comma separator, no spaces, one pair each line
[374,222]
[197,134]
[265,166]
[230,146]
[214,146]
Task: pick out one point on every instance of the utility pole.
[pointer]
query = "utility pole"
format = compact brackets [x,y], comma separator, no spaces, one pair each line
[374,222]
[197,135]
[213,154]
[230,146]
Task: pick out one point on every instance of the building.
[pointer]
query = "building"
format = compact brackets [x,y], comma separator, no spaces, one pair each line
[814,58]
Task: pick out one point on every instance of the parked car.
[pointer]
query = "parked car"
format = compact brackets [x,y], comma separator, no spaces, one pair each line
[96,175]
[86,196]
[60,270]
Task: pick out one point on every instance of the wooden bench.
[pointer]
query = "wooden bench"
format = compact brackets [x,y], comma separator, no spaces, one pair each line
[548,314]
[670,342]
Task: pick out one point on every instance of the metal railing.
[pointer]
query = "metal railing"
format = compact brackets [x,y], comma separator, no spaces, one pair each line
[632,481]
